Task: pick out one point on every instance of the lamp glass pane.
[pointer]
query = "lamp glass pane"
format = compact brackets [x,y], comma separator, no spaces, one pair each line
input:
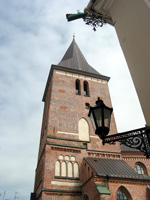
[98,116]
[107,117]
[92,120]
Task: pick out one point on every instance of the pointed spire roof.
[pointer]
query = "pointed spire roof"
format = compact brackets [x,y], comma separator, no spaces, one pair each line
[74,59]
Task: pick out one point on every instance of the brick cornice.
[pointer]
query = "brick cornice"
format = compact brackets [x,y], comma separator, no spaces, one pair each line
[122,181]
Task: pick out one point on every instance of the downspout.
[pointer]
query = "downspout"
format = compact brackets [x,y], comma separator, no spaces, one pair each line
[107,178]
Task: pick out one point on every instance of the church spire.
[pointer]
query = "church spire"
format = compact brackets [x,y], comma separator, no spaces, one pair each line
[74,59]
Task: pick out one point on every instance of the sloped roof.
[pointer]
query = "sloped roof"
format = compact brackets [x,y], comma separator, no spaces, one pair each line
[74,59]
[126,148]
[113,168]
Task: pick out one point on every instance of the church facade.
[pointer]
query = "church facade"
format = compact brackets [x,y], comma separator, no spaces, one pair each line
[72,162]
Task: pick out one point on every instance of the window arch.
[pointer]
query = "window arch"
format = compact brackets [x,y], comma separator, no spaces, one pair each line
[76,170]
[57,168]
[78,87]
[85,197]
[86,88]
[123,194]
[67,167]
[70,171]
[83,127]
[140,168]
[63,169]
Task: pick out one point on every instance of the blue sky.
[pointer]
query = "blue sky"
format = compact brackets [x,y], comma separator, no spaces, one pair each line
[34,35]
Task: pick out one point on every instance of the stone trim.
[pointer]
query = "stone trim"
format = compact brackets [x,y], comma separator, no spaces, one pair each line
[67,133]
[66,145]
[67,139]
[82,77]
[135,158]
[66,178]
[126,181]
[65,149]
[65,183]
[62,191]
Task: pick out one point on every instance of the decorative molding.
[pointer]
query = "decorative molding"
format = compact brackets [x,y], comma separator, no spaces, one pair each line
[67,139]
[65,149]
[68,133]
[91,136]
[82,77]
[104,155]
[66,145]
[67,178]
[64,183]
[134,158]
[119,181]
[62,192]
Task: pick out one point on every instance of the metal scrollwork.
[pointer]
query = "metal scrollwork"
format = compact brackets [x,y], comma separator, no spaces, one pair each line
[95,21]
[137,139]
[133,142]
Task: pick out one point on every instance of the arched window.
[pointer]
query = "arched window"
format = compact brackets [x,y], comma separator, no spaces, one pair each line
[85,197]
[57,168]
[70,171]
[86,88]
[83,130]
[78,90]
[63,169]
[66,167]
[121,195]
[140,168]
[76,170]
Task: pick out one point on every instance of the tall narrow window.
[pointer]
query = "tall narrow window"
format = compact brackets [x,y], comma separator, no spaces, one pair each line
[76,170]
[139,169]
[63,169]
[86,88]
[78,91]
[83,127]
[70,169]
[57,168]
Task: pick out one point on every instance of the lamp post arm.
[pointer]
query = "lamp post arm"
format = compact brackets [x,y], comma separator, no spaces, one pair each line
[138,139]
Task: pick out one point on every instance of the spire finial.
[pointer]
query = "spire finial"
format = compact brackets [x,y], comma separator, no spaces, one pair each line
[73,35]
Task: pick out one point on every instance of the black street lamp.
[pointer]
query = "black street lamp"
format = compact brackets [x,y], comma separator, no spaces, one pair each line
[100,116]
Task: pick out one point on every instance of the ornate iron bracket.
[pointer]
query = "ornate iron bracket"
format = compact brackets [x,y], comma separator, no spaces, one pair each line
[94,21]
[138,139]
[90,19]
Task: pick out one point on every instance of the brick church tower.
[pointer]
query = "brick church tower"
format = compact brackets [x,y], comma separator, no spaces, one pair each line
[72,162]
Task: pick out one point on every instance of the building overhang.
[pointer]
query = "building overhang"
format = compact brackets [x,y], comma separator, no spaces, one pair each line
[100,7]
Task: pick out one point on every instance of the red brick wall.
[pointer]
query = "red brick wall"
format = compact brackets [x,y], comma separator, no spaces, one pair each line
[67,108]
[63,109]
[136,159]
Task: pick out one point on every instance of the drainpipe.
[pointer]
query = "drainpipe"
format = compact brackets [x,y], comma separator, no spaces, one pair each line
[107,177]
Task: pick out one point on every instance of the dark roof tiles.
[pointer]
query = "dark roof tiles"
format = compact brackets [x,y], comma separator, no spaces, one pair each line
[74,59]
[113,168]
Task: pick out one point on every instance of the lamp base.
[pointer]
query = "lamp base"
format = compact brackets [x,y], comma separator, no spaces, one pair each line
[102,132]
